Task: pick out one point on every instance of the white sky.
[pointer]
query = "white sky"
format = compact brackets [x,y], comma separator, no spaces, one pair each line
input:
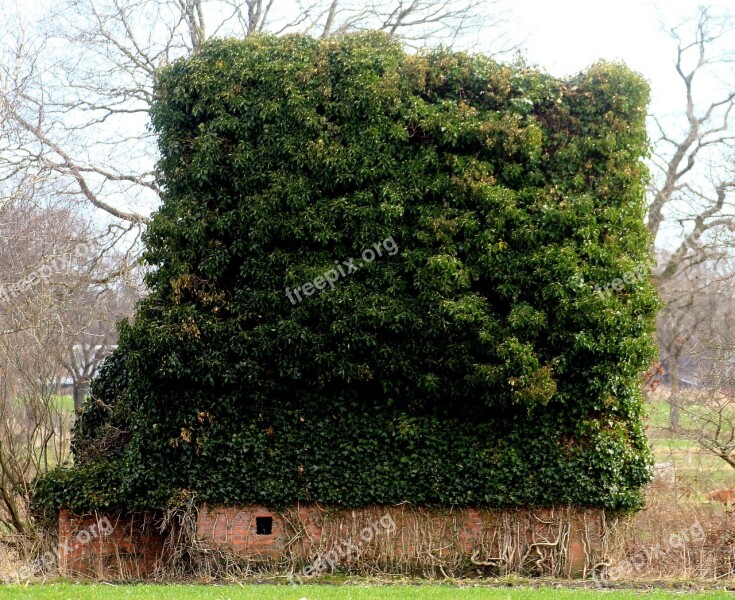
[566,36]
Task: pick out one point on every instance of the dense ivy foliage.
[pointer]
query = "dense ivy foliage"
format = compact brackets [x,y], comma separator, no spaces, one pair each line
[475,365]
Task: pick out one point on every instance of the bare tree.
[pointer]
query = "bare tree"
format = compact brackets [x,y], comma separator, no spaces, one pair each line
[698,303]
[697,198]
[710,422]
[87,319]
[55,298]
[708,413]
[38,262]
[693,185]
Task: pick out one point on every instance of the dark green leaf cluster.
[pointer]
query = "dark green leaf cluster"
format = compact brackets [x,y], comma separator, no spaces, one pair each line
[477,365]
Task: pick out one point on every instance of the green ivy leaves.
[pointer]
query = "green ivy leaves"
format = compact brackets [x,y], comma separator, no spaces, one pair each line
[481,343]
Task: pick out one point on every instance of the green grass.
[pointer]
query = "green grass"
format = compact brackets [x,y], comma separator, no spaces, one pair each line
[694,466]
[65,404]
[663,443]
[658,414]
[658,409]
[329,592]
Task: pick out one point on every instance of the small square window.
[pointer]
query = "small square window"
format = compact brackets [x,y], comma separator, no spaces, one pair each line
[264,525]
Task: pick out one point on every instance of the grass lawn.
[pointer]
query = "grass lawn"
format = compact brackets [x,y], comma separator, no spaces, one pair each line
[67,591]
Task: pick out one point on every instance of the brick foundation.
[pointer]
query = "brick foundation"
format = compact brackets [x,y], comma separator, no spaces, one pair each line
[108,546]
[563,542]
[421,541]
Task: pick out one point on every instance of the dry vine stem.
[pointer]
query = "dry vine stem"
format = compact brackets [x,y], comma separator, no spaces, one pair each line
[434,543]
[447,543]
[186,555]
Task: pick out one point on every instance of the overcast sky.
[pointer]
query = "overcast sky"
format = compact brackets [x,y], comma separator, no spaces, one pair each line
[565,36]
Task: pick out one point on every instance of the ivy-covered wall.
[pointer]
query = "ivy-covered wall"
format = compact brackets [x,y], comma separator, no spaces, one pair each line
[470,362]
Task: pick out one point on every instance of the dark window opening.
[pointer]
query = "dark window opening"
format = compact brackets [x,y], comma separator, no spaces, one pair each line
[264,525]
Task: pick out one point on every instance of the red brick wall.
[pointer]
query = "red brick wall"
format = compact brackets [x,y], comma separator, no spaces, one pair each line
[453,537]
[401,539]
[108,546]
[236,527]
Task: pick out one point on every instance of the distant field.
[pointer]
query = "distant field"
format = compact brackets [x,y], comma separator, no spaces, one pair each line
[327,592]
[66,403]
[693,466]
